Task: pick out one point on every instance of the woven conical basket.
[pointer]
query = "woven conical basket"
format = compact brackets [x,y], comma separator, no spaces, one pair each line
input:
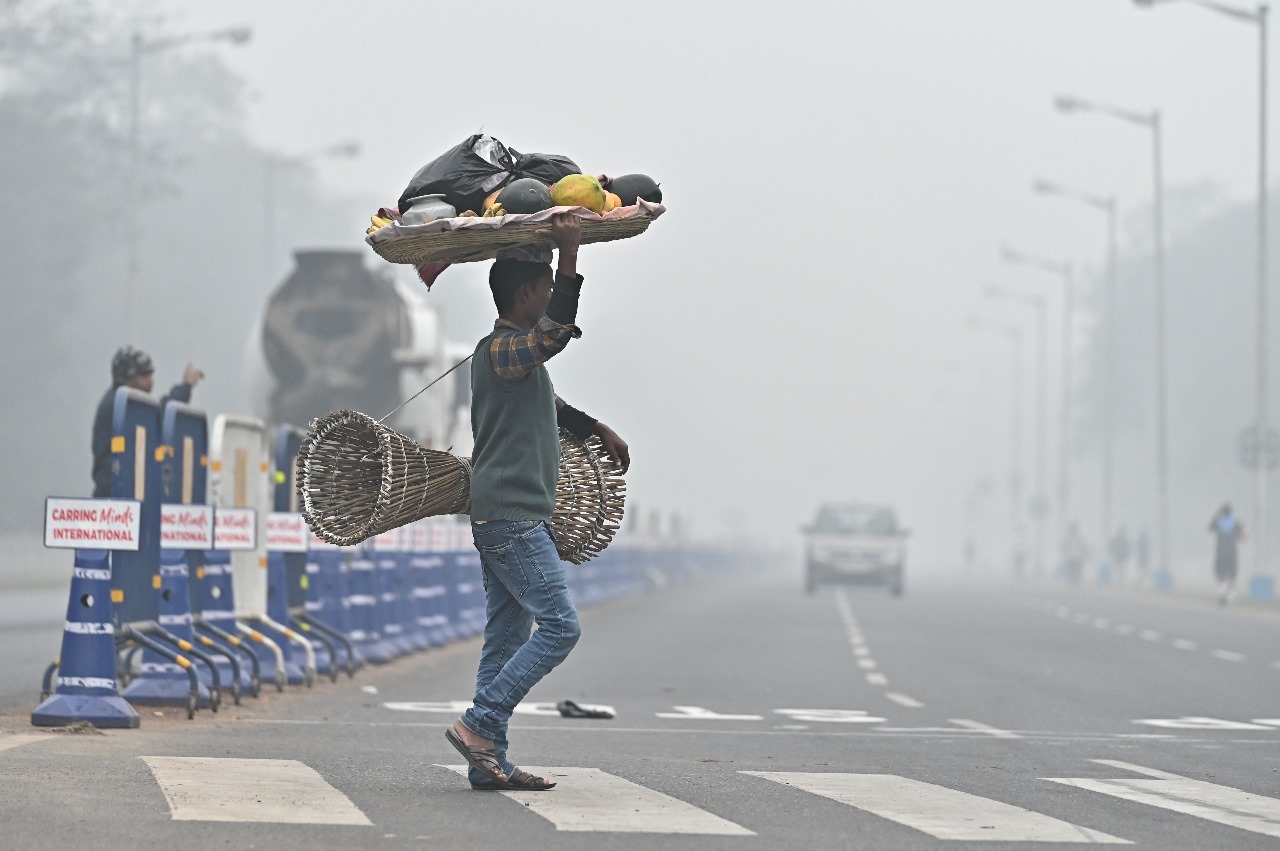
[358,478]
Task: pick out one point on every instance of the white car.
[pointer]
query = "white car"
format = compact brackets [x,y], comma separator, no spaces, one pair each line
[856,544]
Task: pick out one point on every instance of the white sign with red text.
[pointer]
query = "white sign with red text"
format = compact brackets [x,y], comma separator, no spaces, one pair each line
[421,537]
[91,524]
[186,527]
[287,532]
[440,540]
[235,529]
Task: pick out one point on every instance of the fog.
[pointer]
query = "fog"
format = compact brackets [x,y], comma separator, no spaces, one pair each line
[839,179]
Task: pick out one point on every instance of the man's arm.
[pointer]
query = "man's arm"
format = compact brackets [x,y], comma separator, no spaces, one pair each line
[582,425]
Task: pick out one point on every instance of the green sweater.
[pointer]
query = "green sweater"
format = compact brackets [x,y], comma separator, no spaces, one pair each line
[516,458]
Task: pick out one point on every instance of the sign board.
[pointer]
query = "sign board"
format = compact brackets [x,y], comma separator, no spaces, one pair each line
[388,542]
[186,527]
[91,524]
[235,529]
[287,532]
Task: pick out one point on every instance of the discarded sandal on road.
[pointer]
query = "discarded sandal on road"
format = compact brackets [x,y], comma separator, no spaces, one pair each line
[569,709]
[482,759]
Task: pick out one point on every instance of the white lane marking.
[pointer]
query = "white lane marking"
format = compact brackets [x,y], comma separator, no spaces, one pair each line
[1151,635]
[1198,722]
[877,679]
[903,700]
[1228,655]
[1185,644]
[936,810]
[698,713]
[1101,623]
[588,799]
[281,791]
[867,664]
[1124,629]
[8,742]
[836,716]
[1270,722]
[1081,617]
[1209,801]
[978,726]
[862,651]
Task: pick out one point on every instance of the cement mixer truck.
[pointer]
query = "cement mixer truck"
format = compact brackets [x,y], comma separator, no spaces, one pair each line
[337,335]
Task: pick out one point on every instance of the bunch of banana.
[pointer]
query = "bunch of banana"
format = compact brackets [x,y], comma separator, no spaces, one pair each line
[493,210]
[378,222]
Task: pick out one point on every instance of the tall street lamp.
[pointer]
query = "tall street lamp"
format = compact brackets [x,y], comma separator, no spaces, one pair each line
[141,46]
[1150,121]
[1014,335]
[1107,205]
[1263,584]
[1039,501]
[271,166]
[1063,270]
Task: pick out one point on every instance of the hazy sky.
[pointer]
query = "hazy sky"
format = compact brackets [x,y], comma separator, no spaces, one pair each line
[839,176]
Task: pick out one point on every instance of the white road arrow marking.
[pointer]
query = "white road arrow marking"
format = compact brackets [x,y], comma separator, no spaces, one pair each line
[938,811]
[834,716]
[1209,801]
[1195,722]
[588,799]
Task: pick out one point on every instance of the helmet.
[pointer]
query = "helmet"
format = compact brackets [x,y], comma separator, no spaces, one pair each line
[128,363]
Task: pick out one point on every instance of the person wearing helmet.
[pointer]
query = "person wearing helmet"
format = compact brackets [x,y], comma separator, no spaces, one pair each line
[133,368]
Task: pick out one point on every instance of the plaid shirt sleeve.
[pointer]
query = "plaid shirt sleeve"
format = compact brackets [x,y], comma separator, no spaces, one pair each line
[514,354]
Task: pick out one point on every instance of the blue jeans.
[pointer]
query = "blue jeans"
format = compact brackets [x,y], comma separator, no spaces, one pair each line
[524,583]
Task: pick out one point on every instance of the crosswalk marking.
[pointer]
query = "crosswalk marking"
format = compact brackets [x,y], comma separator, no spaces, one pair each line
[1221,804]
[7,742]
[588,799]
[282,791]
[938,811]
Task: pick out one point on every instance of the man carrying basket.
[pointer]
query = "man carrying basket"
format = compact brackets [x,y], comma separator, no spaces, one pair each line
[516,417]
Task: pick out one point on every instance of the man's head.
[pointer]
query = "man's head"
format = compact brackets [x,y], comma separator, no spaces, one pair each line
[131,367]
[521,290]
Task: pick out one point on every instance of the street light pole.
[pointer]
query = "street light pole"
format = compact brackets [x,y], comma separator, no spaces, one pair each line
[1065,271]
[1264,584]
[1107,205]
[1040,304]
[1151,121]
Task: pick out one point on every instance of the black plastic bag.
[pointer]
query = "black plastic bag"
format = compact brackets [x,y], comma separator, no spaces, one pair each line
[469,172]
[465,174]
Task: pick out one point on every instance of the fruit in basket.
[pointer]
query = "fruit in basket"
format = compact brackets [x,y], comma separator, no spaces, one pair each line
[579,190]
[377,223]
[494,210]
[488,202]
[526,195]
[629,187]
[611,202]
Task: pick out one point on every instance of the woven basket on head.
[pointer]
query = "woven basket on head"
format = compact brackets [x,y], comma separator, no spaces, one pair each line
[357,478]
[469,240]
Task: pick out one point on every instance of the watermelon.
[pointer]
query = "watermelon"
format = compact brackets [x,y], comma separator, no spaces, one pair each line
[526,195]
[629,187]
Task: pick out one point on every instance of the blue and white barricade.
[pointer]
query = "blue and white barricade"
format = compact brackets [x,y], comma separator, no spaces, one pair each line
[86,685]
[429,589]
[363,611]
[384,550]
[468,580]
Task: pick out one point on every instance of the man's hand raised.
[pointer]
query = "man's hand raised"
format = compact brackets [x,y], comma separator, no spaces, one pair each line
[566,232]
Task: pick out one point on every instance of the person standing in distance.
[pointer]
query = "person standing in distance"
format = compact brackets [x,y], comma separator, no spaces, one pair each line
[515,418]
[130,367]
[1228,531]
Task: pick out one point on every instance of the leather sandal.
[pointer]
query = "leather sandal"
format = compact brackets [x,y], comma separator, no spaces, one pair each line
[482,759]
